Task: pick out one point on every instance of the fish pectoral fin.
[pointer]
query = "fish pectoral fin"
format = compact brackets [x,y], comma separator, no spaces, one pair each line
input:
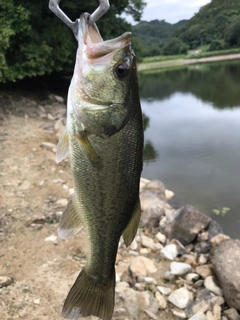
[62,146]
[131,229]
[90,152]
[87,297]
[71,221]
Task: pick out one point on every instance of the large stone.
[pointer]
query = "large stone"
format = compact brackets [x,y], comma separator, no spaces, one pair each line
[201,304]
[210,284]
[186,224]
[169,252]
[214,229]
[180,268]
[205,270]
[142,266]
[153,208]
[198,316]
[180,298]
[226,262]
[135,301]
[232,314]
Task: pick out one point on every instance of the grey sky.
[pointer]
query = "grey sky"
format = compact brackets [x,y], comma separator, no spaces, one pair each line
[172,10]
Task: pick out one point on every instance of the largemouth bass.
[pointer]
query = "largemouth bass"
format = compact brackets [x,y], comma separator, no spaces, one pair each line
[104,138]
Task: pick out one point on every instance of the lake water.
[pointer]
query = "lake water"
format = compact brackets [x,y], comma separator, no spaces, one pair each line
[192,137]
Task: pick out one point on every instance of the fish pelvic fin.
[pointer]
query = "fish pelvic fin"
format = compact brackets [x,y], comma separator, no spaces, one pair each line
[131,229]
[71,221]
[62,146]
[92,155]
[86,297]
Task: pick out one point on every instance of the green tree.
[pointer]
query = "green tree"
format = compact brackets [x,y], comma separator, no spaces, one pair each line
[33,41]
[175,46]
[232,35]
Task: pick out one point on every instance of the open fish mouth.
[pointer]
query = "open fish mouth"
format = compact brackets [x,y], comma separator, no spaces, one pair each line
[90,38]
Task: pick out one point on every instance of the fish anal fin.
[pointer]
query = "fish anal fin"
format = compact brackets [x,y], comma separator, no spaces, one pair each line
[70,222]
[62,147]
[86,297]
[131,229]
[87,147]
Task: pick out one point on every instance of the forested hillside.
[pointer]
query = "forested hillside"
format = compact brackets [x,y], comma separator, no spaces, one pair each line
[153,35]
[216,24]
[216,27]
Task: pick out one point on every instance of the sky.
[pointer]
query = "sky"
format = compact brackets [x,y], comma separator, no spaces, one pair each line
[171,10]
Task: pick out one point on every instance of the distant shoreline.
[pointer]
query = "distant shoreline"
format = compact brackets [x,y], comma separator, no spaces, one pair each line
[182,62]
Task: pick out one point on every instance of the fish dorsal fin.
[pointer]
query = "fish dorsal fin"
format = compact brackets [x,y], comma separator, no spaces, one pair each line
[70,222]
[92,155]
[131,229]
[62,146]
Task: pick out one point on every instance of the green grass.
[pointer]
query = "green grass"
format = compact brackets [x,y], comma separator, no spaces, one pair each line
[161,58]
[206,54]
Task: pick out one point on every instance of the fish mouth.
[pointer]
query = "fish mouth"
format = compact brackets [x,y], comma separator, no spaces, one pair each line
[90,38]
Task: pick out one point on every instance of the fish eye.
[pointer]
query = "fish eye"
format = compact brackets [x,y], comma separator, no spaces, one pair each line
[122,70]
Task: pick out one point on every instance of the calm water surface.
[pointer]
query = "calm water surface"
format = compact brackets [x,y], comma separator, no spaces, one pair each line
[192,137]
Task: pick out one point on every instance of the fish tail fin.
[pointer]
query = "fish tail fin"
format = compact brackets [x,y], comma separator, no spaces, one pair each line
[86,298]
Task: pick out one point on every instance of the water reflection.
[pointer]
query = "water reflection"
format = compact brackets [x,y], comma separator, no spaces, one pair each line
[194,122]
[217,83]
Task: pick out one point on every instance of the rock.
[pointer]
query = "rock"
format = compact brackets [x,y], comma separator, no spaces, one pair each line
[217,300]
[169,252]
[161,237]
[186,224]
[214,228]
[52,238]
[5,281]
[205,271]
[192,277]
[210,284]
[144,251]
[147,280]
[134,245]
[201,304]
[210,316]
[226,262]
[179,313]
[169,194]
[217,312]
[36,301]
[143,183]
[169,277]
[142,266]
[49,146]
[156,185]
[147,242]
[62,202]
[203,236]
[152,207]
[202,259]
[135,301]
[232,314]
[198,316]
[202,247]
[218,238]
[179,268]
[57,98]
[162,302]
[180,298]
[151,315]
[164,290]
[180,248]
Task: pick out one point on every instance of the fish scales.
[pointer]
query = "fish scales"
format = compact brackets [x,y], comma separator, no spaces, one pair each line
[104,139]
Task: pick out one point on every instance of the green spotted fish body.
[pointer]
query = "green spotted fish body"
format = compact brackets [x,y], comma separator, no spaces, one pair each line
[104,139]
